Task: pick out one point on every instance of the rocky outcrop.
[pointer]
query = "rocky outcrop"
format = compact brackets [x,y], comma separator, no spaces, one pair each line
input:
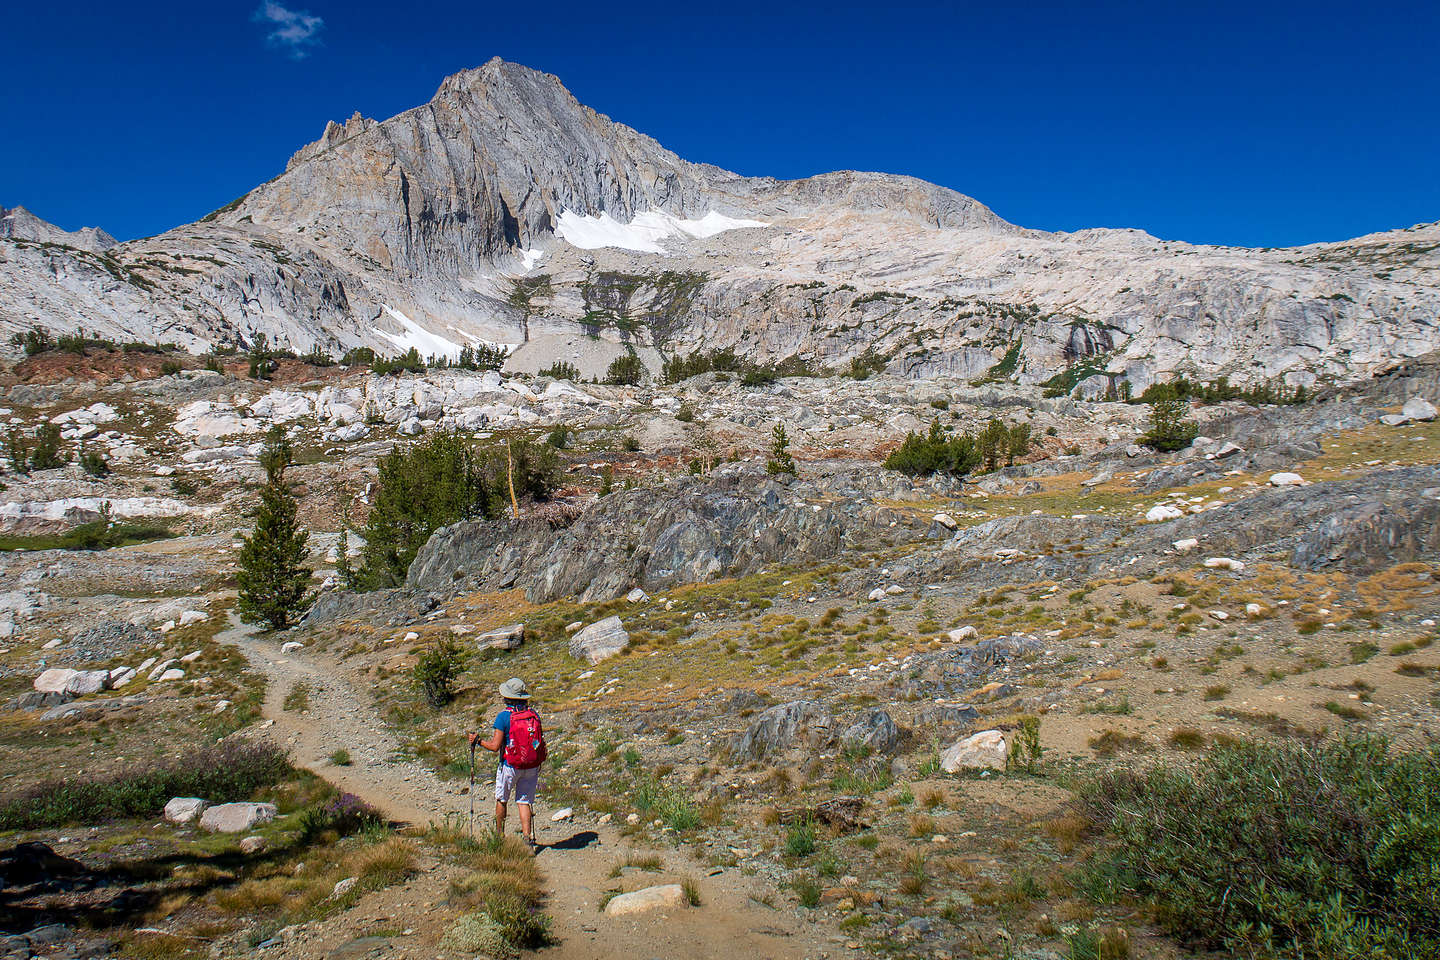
[688,530]
[801,725]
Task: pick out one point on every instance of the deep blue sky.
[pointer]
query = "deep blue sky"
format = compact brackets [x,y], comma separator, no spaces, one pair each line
[1257,123]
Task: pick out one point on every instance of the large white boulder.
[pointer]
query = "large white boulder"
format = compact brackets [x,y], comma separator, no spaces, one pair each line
[55,680]
[1286,479]
[1418,408]
[600,641]
[185,809]
[1162,512]
[236,817]
[88,681]
[981,751]
[667,896]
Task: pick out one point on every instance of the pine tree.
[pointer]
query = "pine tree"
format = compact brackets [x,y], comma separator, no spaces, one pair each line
[780,460]
[273,577]
[343,572]
[423,487]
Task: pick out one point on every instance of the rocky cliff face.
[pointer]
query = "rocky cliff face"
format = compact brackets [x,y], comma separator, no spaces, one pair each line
[505,211]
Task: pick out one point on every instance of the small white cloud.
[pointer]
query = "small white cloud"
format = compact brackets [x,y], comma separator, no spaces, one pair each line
[293,31]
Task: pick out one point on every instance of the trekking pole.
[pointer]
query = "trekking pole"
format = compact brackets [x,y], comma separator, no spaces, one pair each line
[472,789]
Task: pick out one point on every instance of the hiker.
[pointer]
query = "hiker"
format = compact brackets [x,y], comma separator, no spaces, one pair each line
[518,739]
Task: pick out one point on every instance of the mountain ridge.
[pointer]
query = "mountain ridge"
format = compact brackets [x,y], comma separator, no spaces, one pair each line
[442,225]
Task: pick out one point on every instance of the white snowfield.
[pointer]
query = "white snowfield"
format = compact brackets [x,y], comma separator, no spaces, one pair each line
[426,343]
[644,233]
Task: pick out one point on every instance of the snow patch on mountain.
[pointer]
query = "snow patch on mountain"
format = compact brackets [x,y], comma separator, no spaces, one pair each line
[644,233]
[428,344]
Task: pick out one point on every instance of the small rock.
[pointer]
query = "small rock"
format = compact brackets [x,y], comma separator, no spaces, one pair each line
[637,596]
[1220,615]
[894,590]
[877,594]
[252,845]
[946,521]
[1254,610]
[1224,563]
[632,819]
[342,887]
[1162,512]
[1186,545]
[1286,480]
[290,646]
[560,815]
[175,673]
[963,633]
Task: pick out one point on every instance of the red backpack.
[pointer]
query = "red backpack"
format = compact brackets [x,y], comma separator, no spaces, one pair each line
[526,748]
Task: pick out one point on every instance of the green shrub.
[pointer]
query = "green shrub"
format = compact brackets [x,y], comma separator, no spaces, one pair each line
[1281,849]
[559,438]
[562,370]
[273,579]
[408,362]
[1170,429]
[46,454]
[437,670]
[800,839]
[483,357]
[231,771]
[625,369]
[93,462]
[422,487]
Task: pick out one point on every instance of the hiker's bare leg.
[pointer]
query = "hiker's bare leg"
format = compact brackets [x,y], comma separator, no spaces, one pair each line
[500,817]
[525,820]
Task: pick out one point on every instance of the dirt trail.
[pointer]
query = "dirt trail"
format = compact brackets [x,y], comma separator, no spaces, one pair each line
[577,856]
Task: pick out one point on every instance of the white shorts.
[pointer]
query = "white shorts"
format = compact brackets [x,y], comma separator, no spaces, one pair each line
[521,782]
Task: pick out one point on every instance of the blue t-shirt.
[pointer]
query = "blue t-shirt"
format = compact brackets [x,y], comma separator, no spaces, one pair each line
[502,723]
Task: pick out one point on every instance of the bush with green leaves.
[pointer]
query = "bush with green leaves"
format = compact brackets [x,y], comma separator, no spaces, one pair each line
[46,454]
[233,770]
[93,462]
[437,670]
[559,438]
[941,451]
[262,363]
[422,487]
[1170,427]
[17,450]
[561,370]
[483,357]
[273,578]
[625,370]
[408,362]
[1322,850]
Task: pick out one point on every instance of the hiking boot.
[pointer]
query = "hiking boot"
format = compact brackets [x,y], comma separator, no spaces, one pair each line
[534,847]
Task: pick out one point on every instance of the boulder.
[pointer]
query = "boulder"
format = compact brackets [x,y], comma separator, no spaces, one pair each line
[1224,563]
[599,641]
[1286,479]
[88,681]
[188,617]
[252,845]
[667,896]
[185,809]
[981,751]
[1162,512]
[55,680]
[1418,408]
[236,817]
[875,730]
[291,646]
[877,594]
[1186,545]
[637,596]
[966,632]
[173,674]
[508,637]
[946,521]
[789,726]
[120,676]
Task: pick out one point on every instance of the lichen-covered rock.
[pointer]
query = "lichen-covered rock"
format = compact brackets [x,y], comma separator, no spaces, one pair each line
[599,641]
[798,725]
[236,817]
[875,730]
[981,751]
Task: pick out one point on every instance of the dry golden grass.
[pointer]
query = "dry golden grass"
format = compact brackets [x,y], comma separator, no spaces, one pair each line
[1065,831]
[923,826]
